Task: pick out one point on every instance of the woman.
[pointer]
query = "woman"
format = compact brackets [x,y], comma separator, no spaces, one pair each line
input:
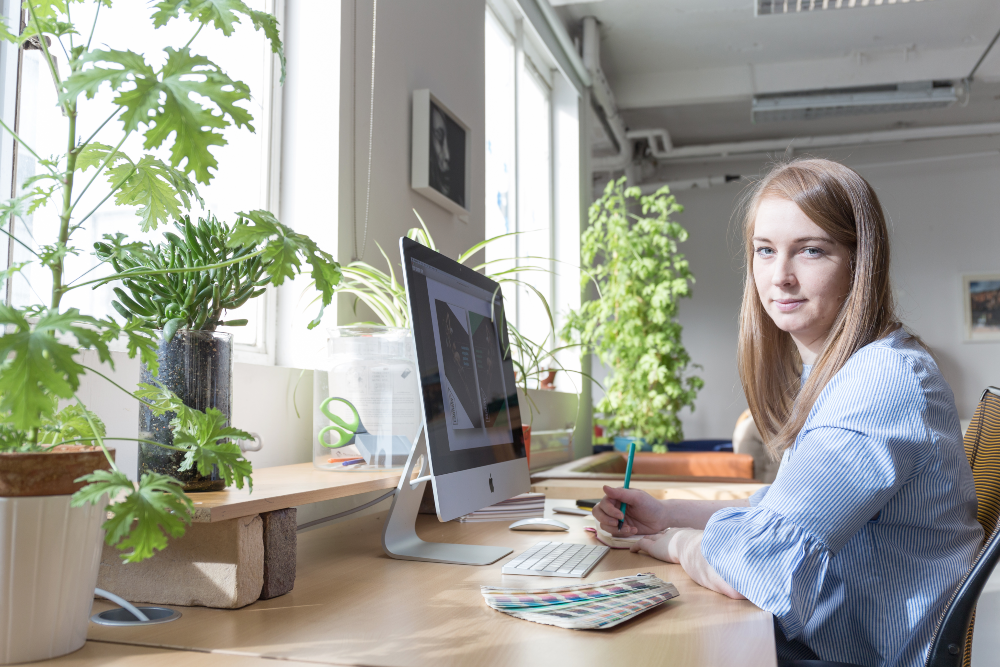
[871,521]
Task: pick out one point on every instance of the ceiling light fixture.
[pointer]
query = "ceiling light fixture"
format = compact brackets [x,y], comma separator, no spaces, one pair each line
[765,7]
[810,104]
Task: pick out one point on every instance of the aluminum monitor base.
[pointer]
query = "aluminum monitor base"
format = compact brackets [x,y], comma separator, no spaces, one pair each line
[399,537]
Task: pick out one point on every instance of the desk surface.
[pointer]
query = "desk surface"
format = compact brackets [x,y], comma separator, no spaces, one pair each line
[354,606]
[101,654]
[287,486]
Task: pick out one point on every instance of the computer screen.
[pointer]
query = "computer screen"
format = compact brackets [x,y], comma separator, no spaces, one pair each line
[466,372]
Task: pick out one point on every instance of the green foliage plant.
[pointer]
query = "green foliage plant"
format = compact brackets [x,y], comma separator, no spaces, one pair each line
[181,108]
[631,246]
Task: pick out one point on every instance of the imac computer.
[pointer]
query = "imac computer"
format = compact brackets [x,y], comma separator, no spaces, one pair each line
[473,451]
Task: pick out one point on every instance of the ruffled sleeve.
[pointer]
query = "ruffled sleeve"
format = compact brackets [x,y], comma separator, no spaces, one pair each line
[864,439]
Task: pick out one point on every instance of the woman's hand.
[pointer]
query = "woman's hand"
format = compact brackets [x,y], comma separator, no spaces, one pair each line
[645,516]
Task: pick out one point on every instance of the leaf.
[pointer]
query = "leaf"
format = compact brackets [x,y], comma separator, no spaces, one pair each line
[133,69]
[193,125]
[36,365]
[164,102]
[9,272]
[144,517]
[159,190]
[282,251]
[94,154]
[223,15]
[18,207]
[71,423]
[201,432]
[171,327]
[114,247]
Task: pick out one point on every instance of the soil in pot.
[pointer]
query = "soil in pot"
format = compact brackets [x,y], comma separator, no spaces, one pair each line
[198,367]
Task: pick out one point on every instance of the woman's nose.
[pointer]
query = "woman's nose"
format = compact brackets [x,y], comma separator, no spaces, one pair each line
[783,272]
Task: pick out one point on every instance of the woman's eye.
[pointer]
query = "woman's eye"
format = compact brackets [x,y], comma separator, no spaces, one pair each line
[812,252]
[764,252]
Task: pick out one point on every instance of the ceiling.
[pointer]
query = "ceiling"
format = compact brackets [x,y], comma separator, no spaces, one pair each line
[692,66]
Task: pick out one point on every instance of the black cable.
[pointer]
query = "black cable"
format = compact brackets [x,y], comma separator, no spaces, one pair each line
[983,57]
[310,524]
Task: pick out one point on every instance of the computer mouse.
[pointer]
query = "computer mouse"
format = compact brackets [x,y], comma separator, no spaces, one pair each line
[538,523]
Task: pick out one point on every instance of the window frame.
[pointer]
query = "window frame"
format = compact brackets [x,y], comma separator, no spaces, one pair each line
[534,58]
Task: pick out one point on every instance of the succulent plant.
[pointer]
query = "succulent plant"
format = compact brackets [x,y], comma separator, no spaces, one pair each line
[186,300]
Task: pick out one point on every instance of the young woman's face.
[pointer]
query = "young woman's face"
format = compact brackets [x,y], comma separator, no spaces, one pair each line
[802,274]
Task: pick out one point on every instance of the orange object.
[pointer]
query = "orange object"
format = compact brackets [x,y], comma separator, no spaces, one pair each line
[527,443]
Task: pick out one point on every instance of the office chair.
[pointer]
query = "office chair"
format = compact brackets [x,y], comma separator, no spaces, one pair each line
[952,644]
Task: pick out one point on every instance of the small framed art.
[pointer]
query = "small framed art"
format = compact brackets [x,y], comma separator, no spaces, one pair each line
[982,307]
[439,168]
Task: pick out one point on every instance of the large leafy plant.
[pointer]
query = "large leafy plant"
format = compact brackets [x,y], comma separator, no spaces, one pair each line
[632,247]
[182,109]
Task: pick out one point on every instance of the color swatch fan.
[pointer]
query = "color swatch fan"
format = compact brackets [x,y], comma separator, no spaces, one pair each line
[592,606]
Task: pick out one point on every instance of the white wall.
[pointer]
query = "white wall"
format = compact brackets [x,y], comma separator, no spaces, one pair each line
[417,46]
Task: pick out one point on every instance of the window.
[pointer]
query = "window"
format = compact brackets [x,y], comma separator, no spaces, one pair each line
[532,173]
[242,182]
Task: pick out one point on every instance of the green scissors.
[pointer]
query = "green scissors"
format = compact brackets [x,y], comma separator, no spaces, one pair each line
[346,431]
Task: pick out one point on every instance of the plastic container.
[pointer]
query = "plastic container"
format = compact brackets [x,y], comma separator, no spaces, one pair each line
[374,369]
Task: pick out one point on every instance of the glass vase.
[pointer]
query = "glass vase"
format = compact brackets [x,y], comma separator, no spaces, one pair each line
[198,367]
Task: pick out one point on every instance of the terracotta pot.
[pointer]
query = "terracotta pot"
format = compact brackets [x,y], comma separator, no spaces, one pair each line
[49,473]
[50,552]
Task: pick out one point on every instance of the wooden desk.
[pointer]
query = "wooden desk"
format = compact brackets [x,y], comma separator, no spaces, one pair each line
[354,606]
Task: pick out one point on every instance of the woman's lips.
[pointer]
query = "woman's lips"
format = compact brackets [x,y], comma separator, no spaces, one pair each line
[787,305]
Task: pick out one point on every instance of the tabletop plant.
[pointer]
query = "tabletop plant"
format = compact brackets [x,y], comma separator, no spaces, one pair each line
[632,247]
[182,109]
[198,300]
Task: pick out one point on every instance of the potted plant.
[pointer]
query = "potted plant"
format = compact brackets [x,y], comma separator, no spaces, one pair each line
[46,432]
[224,267]
[632,247]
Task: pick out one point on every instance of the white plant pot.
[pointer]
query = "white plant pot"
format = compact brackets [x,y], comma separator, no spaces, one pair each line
[49,557]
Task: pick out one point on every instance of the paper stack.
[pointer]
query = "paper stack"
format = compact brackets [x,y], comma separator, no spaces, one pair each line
[592,606]
[524,506]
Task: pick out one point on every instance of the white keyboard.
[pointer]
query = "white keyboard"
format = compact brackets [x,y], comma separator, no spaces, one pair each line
[557,559]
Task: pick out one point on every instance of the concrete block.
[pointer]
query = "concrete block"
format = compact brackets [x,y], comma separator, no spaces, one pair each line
[218,565]
[279,552]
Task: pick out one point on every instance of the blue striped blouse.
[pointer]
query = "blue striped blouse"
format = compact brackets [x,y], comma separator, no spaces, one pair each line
[871,521]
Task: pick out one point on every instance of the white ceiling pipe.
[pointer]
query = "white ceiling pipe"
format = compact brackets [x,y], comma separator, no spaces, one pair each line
[690,183]
[605,99]
[712,181]
[659,141]
[859,139]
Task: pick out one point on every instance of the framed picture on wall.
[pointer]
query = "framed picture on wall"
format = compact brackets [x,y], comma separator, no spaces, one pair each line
[441,157]
[982,307]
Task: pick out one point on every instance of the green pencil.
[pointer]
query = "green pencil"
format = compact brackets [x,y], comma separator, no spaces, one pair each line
[628,479]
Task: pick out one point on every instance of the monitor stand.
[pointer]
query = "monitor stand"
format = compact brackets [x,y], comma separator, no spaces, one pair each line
[399,537]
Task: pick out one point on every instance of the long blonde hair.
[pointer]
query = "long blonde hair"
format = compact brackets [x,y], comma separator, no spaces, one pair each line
[846,207]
